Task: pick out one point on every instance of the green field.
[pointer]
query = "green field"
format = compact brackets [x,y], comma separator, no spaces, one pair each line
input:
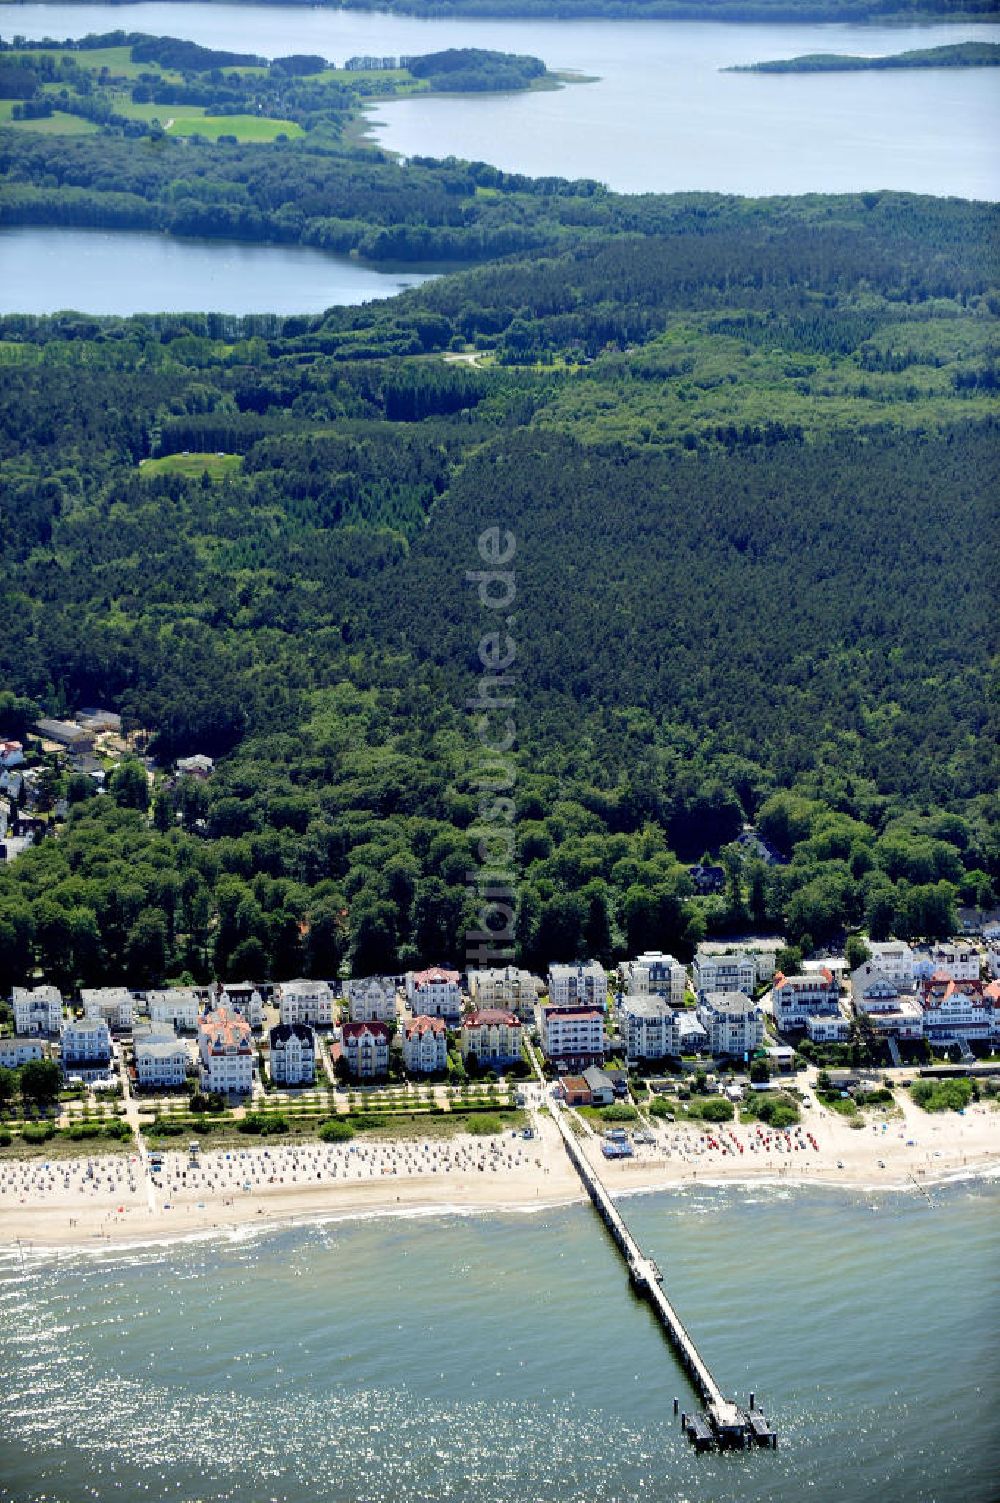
[243,127]
[57,124]
[193,465]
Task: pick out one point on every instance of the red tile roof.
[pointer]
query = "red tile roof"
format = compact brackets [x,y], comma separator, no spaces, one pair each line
[423,1025]
[355,1030]
[435,975]
[225,1030]
[491,1017]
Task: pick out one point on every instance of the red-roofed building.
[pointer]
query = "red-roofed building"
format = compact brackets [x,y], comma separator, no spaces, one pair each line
[11,753]
[492,1036]
[366,1049]
[796,998]
[226,1050]
[425,1045]
[956,1011]
[435,993]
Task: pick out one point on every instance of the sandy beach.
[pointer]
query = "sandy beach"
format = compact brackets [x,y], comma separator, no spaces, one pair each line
[114,1200]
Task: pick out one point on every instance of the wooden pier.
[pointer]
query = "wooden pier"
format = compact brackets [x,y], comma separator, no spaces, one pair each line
[724,1423]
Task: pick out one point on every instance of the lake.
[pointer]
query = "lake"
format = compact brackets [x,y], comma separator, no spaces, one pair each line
[497,1359]
[100,271]
[662,116]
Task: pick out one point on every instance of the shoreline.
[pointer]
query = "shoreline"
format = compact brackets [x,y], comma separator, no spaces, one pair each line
[312,1184]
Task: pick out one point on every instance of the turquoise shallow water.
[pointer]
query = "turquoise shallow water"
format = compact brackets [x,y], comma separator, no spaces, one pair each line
[503,1357]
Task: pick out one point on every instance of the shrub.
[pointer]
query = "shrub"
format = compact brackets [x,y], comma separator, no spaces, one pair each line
[619,1111]
[714,1109]
[335,1131]
[37,1132]
[484,1125]
[942,1095]
[5,1139]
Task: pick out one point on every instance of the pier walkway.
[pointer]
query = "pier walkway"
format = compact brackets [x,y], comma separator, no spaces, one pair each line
[730,1425]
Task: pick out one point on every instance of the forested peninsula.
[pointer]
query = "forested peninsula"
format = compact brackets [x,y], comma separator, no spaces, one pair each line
[747,451]
[961,55]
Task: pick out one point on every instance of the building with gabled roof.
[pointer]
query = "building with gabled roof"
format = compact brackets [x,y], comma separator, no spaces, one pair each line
[365,1049]
[425,1045]
[492,1036]
[226,1051]
[292,1058]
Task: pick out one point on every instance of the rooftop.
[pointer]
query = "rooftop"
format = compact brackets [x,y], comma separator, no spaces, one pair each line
[491,1017]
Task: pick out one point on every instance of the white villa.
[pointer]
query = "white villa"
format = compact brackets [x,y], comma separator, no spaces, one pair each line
[161,1058]
[179,1008]
[733,1021]
[112,1003]
[647,1027]
[960,962]
[86,1048]
[828,1028]
[729,971]
[226,1050]
[893,959]
[586,982]
[492,1036]
[656,974]
[293,1054]
[425,1045]
[16,1052]
[436,993]
[38,1011]
[956,1011]
[885,1004]
[795,998]
[573,1036]
[309,1002]
[243,998]
[505,986]
[372,999]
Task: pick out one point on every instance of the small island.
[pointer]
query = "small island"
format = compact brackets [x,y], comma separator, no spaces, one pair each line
[957,55]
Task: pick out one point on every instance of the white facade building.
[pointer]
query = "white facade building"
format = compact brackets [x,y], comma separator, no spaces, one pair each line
[37,1011]
[656,974]
[893,959]
[161,1058]
[86,1047]
[729,971]
[957,962]
[293,1054]
[178,1008]
[436,993]
[16,1052]
[366,1049]
[112,1003]
[956,1011]
[734,1023]
[573,1036]
[828,1028]
[795,998]
[585,983]
[372,999]
[493,1036]
[243,998]
[885,1004]
[505,986]
[648,1027]
[425,1045]
[226,1051]
[309,1002]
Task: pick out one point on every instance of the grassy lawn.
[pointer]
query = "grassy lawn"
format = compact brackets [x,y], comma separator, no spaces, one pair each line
[57,124]
[243,127]
[193,465]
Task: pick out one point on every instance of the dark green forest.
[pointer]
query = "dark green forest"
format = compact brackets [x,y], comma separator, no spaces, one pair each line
[748,455]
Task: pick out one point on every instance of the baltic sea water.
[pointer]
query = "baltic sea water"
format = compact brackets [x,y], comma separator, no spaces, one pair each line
[502,1359]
